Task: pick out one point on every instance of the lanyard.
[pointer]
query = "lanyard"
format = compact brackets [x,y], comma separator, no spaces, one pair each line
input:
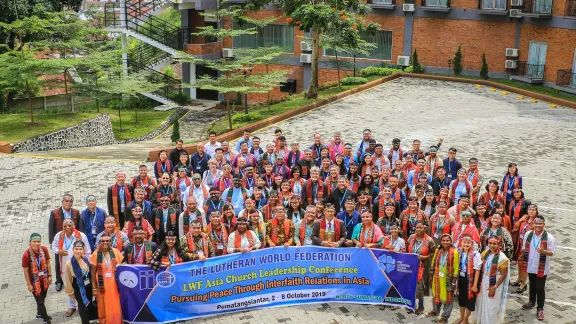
[68,245]
[343,197]
[107,261]
[443,259]
[172,256]
[199,245]
[366,234]
[39,262]
[139,252]
[464,260]
[164,168]
[511,182]
[438,227]
[412,221]
[351,219]
[309,230]
[85,272]
[167,192]
[417,247]
[143,185]
[214,207]
[395,244]
[250,183]
[216,235]
[535,243]
[94,218]
[269,180]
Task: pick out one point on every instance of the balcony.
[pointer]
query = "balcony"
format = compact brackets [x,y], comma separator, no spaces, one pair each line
[537,8]
[382,4]
[436,5]
[493,7]
[529,73]
[566,81]
[570,8]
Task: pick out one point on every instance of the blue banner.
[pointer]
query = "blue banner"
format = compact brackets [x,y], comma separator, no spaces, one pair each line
[264,278]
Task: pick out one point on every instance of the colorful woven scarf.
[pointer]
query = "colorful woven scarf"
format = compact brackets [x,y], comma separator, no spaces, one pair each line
[160,216]
[493,267]
[422,250]
[445,225]
[215,239]
[469,269]
[542,258]
[515,208]
[101,268]
[487,234]
[192,247]
[366,235]
[132,251]
[405,218]
[115,199]
[449,273]
[186,219]
[238,239]
[323,229]
[276,227]
[79,274]
[38,282]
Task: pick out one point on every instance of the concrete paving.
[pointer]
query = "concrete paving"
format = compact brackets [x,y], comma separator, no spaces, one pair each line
[493,127]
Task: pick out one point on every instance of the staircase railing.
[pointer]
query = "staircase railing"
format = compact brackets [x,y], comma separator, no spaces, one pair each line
[143,56]
[139,19]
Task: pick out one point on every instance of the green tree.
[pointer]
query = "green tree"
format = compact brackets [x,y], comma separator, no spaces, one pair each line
[175,131]
[417,68]
[319,17]
[484,69]
[458,61]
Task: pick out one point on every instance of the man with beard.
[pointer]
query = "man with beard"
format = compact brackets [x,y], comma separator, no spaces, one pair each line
[196,244]
[141,250]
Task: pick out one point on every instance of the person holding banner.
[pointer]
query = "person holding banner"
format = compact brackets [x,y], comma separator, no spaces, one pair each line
[168,253]
[367,234]
[470,266]
[422,245]
[351,219]
[444,272]
[394,242]
[491,303]
[103,271]
[196,244]
[140,251]
[329,231]
[280,230]
[78,283]
[305,228]
[217,233]
[242,239]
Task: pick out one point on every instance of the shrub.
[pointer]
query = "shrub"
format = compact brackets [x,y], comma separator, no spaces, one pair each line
[175,131]
[179,98]
[249,117]
[458,61]
[374,70]
[417,68]
[484,69]
[353,80]
[409,69]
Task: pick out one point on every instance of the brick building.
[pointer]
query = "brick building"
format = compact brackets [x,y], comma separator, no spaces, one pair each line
[533,41]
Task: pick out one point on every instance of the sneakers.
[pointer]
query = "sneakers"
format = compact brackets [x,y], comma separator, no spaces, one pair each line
[540,314]
[38,316]
[528,305]
[47,321]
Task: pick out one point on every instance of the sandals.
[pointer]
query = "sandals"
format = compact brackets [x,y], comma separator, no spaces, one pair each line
[382,307]
[442,320]
[521,289]
[515,284]
[431,314]
[70,312]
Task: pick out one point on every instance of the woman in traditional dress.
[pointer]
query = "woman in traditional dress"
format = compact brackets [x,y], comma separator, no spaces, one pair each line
[228,217]
[79,283]
[421,244]
[367,234]
[168,253]
[500,232]
[102,269]
[364,202]
[524,225]
[444,270]
[441,223]
[164,188]
[258,226]
[353,178]
[388,218]
[511,179]
[137,220]
[428,204]
[493,293]
[481,217]
[491,196]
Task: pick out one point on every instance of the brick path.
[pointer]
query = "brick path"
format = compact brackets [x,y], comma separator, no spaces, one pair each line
[495,128]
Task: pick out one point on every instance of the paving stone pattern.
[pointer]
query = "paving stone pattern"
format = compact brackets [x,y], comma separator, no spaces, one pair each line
[93,132]
[493,127]
[195,124]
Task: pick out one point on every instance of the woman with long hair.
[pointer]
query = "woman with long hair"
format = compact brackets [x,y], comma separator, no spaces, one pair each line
[165,188]
[428,204]
[258,226]
[168,253]
[366,165]
[339,162]
[367,185]
[388,218]
[524,225]
[364,202]
[137,220]
[491,196]
[79,283]
[228,217]
[353,177]
[511,179]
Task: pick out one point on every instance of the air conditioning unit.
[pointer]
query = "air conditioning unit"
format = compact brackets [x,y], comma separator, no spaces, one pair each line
[512,52]
[227,52]
[516,3]
[305,46]
[408,7]
[515,13]
[305,58]
[403,60]
[511,64]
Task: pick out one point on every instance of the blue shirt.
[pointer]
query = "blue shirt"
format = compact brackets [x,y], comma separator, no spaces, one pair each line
[242,140]
[237,199]
[411,176]
[349,221]
[460,190]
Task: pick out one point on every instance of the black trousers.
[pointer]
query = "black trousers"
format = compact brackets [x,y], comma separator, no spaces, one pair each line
[40,304]
[58,274]
[537,290]
[86,312]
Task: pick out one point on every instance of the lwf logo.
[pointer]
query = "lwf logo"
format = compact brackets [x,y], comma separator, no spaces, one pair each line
[387,263]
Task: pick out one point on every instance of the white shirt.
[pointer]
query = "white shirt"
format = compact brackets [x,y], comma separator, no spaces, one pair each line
[464,260]
[192,218]
[395,154]
[69,246]
[211,149]
[534,256]
[330,226]
[197,193]
[244,243]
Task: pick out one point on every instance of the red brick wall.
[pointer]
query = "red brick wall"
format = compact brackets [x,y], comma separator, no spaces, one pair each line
[202,49]
[196,20]
[476,37]
[559,52]
[292,72]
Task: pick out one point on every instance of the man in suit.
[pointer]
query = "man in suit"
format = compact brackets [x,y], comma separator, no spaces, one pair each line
[139,199]
[329,231]
[119,198]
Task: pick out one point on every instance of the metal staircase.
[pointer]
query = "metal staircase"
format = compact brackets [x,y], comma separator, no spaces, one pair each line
[159,40]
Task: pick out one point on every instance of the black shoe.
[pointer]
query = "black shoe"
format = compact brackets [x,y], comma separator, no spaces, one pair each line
[47,321]
[38,316]
[58,286]
[528,305]
[522,289]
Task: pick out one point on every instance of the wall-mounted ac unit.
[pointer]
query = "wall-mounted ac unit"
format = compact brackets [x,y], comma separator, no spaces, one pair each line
[227,52]
[516,3]
[515,13]
[305,46]
[403,60]
[305,58]
[511,64]
[512,52]
[408,7]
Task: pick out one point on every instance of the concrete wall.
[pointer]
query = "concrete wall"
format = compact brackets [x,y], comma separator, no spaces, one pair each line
[94,132]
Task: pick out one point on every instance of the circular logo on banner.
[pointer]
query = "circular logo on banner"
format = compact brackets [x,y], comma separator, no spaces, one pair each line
[128,279]
[165,279]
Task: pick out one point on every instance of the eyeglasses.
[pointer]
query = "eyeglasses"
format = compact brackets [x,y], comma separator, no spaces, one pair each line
[104,241]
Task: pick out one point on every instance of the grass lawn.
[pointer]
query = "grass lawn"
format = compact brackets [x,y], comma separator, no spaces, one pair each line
[14,129]
[296,101]
[521,85]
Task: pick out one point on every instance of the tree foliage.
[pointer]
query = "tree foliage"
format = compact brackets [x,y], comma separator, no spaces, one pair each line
[484,69]
[458,61]
[416,67]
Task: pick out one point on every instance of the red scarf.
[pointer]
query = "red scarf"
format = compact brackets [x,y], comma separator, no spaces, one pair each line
[455,184]
[336,229]
[427,167]
[115,201]
[474,181]
[420,216]
[542,257]
[238,239]
[446,227]
[423,250]
[59,218]
[129,226]
[159,193]
[515,208]
[160,215]
[367,237]
[274,230]
[319,193]
[293,181]
[150,183]
[186,218]
[222,185]
[192,244]
[178,180]
[148,250]
[449,272]
[158,167]
[303,224]
[470,271]
[470,229]
[215,239]
[400,154]
[506,180]
[39,283]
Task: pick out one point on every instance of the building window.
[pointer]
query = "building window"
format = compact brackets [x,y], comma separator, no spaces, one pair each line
[386,2]
[494,4]
[269,35]
[382,39]
[437,3]
[536,59]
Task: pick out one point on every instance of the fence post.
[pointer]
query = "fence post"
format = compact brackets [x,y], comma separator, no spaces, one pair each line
[45,104]
[72,103]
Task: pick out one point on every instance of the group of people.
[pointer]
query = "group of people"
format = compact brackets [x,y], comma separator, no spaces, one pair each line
[217,202]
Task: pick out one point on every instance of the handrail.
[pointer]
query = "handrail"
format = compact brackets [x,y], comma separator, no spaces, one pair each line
[570,8]
[533,71]
[145,55]
[566,77]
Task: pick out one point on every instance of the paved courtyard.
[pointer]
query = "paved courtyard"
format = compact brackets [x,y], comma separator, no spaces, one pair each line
[493,127]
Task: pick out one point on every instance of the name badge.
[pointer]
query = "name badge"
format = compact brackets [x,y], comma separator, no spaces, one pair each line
[441,274]
[510,191]
[41,273]
[436,235]
[462,274]
[200,253]
[220,247]
[86,281]
[93,230]
[108,275]
[198,167]
[522,237]
[450,176]
[307,241]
